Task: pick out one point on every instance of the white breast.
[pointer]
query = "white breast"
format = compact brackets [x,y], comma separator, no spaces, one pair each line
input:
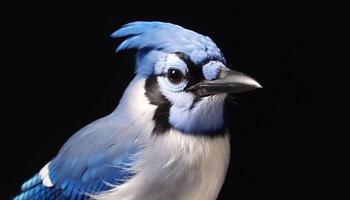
[179,167]
[172,166]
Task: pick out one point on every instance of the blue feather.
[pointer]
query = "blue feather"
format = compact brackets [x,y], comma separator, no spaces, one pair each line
[35,180]
[81,168]
[91,161]
[168,38]
[41,192]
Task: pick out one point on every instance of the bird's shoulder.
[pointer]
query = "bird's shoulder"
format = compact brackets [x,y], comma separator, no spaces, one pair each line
[96,157]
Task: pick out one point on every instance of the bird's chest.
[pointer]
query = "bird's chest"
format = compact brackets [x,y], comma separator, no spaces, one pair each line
[177,167]
[190,167]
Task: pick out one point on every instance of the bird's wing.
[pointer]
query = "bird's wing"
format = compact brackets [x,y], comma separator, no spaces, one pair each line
[91,161]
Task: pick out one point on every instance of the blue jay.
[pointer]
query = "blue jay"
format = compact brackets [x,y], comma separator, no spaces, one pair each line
[166,139]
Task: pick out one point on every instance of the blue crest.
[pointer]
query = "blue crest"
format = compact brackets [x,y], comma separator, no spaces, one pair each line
[169,38]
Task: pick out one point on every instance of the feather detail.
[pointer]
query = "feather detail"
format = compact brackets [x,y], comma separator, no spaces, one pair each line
[168,38]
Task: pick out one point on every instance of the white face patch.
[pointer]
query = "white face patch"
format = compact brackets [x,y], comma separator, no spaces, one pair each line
[166,86]
[185,114]
[207,114]
[211,70]
[170,61]
[177,98]
[173,92]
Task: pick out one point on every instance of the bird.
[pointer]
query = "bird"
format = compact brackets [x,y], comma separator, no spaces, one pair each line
[166,139]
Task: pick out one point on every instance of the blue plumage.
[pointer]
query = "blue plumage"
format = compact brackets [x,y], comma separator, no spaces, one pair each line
[35,180]
[33,189]
[81,169]
[165,140]
[84,169]
[168,38]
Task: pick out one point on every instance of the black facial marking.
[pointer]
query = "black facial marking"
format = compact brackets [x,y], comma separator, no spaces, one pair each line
[153,93]
[195,73]
[221,132]
[161,119]
[161,115]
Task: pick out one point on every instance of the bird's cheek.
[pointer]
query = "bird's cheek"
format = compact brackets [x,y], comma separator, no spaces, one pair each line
[182,100]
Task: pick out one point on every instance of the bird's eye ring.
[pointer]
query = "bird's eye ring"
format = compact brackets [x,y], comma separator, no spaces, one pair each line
[175,76]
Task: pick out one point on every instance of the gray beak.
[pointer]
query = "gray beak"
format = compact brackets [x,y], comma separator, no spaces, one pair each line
[229,81]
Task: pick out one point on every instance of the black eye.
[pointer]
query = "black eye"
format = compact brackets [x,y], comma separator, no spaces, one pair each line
[175,76]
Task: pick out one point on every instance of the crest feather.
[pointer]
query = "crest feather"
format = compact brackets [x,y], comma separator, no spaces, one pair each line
[162,36]
[155,39]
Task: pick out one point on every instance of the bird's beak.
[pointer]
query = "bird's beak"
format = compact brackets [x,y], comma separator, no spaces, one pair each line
[229,81]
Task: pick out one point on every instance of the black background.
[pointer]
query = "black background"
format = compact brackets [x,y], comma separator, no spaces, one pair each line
[63,73]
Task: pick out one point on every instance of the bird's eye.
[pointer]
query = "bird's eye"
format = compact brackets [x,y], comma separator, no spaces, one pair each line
[175,76]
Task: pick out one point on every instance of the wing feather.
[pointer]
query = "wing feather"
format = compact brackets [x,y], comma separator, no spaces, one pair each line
[92,161]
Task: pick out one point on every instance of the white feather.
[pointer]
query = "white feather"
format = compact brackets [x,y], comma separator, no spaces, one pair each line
[44,175]
[206,115]
[170,166]
[179,167]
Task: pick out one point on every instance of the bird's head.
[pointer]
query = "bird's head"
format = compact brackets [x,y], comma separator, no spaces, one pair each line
[186,76]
